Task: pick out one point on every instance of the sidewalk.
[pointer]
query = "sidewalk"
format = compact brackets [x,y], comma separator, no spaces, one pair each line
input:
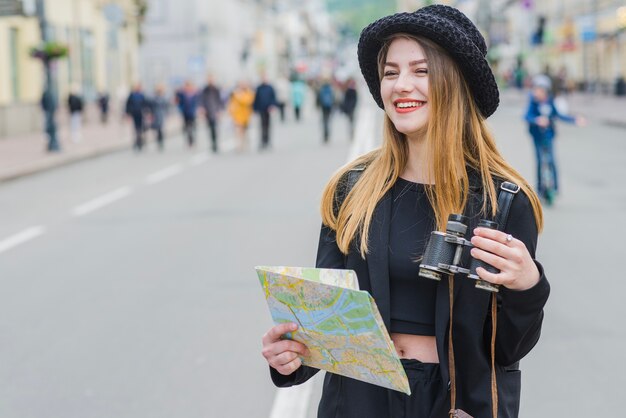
[26,154]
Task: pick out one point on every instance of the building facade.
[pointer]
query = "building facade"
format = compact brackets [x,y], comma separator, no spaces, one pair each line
[231,40]
[103,44]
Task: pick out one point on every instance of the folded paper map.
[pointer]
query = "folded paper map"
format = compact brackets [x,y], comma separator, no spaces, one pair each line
[339,323]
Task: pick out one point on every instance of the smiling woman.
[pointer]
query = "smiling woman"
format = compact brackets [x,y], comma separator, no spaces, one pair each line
[428,71]
[404,85]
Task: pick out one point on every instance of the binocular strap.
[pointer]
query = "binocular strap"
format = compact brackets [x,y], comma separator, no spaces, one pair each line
[457,413]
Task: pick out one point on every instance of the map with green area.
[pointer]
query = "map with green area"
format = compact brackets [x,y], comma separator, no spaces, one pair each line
[339,323]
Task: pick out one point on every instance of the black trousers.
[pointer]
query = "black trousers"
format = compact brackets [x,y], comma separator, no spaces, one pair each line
[265,128]
[139,128]
[326,122]
[350,116]
[159,136]
[212,122]
[190,130]
[348,398]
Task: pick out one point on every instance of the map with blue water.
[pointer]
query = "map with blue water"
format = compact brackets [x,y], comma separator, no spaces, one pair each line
[339,323]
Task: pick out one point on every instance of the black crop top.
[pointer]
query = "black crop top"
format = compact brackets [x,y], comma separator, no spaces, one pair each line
[412,297]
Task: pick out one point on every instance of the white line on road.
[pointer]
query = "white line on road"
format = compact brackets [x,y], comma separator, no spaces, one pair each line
[101,201]
[164,174]
[292,402]
[21,237]
[199,159]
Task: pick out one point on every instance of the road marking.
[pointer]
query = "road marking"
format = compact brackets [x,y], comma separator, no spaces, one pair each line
[21,237]
[199,159]
[164,174]
[101,201]
[292,402]
[365,133]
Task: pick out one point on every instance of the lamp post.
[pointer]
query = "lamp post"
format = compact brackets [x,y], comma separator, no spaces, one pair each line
[48,100]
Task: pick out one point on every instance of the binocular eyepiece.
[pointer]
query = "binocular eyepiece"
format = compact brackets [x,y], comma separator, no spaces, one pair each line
[444,253]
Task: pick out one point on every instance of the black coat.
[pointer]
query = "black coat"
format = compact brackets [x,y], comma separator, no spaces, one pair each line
[520,314]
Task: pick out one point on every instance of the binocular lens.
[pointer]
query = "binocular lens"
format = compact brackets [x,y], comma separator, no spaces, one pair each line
[444,252]
[438,251]
[475,263]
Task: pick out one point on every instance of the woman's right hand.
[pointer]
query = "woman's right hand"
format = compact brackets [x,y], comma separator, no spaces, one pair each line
[281,354]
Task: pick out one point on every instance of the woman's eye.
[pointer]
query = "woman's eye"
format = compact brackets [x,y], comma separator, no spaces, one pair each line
[421,71]
[389,73]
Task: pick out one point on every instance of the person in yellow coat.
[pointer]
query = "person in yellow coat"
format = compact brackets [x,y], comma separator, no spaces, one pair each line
[240,109]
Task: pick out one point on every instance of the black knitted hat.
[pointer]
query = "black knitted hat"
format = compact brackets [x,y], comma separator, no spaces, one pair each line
[447,27]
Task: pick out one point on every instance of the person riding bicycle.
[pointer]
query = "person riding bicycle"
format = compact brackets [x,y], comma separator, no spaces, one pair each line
[541,115]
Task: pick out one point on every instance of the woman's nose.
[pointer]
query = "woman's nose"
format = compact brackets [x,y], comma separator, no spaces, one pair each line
[403,83]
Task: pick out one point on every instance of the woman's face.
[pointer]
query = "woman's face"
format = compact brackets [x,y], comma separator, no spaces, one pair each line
[404,86]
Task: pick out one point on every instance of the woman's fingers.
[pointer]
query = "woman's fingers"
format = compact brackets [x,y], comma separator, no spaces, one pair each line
[282,354]
[507,254]
[282,346]
[278,331]
[493,240]
[489,258]
[290,367]
[283,358]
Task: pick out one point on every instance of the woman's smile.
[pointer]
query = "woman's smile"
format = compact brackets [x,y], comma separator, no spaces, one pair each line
[408,105]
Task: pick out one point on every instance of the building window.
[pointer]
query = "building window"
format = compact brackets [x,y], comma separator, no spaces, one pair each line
[14,63]
[87,63]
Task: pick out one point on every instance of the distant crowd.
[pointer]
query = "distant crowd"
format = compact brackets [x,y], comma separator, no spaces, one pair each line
[148,111]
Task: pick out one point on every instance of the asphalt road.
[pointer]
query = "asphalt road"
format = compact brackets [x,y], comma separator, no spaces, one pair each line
[131,290]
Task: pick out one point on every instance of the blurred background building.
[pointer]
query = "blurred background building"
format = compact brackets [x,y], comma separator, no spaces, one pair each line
[102,38]
[113,43]
[235,39]
[584,40]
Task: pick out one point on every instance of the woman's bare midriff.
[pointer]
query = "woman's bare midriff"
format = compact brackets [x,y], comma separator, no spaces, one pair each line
[418,347]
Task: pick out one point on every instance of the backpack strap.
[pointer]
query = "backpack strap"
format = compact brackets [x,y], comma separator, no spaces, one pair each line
[508,191]
[346,184]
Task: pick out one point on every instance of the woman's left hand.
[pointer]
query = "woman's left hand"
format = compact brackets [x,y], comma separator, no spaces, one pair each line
[518,271]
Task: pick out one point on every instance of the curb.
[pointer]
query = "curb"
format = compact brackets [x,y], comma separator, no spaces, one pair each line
[48,164]
[51,161]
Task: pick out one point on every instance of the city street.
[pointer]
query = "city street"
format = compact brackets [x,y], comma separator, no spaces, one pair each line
[128,286]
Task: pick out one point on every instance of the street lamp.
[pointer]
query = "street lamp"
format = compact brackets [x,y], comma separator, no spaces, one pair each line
[48,100]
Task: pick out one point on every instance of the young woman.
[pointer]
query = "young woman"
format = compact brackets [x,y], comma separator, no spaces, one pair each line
[427,70]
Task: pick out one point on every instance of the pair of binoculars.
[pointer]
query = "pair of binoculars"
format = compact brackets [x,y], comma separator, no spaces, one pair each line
[444,253]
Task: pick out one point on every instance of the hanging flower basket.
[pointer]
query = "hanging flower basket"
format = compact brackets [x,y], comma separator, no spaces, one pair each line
[49,51]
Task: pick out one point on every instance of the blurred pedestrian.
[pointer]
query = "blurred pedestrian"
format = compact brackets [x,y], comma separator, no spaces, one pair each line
[49,105]
[103,105]
[541,115]
[187,100]
[325,102]
[136,105]
[159,107]
[348,106]
[264,102]
[519,74]
[75,107]
[240,109]
[211,101]
[298,91]
[282,95]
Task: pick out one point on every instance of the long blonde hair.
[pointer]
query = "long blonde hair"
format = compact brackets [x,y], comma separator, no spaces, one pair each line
[457,137]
